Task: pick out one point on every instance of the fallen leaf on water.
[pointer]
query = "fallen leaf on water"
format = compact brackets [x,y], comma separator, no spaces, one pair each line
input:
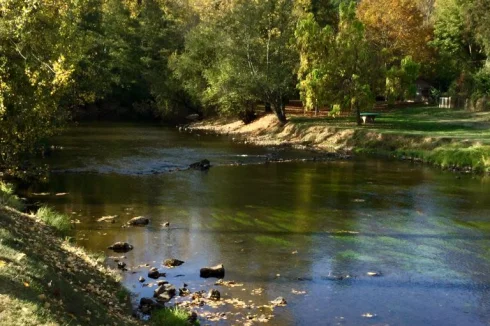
[257,291]
[41,193]
[26,284]
[368,315]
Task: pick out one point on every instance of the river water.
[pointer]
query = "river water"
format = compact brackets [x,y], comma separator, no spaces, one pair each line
[295,230]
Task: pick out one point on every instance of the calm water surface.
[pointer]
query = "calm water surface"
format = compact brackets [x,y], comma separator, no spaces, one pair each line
[284,226]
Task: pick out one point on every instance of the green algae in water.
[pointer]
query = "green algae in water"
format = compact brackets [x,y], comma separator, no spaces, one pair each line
[353,255]
[274,241]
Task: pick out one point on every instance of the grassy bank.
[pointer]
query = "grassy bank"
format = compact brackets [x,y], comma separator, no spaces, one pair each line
[45,280]
[447,138]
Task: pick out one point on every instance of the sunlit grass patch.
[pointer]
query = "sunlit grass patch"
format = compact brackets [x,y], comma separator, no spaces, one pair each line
[172,316]
[60,222]
[8,197]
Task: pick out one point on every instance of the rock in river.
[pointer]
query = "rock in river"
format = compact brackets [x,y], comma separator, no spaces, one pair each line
[214,294]
[201,165]
[172,262]
[165,288]
[217,271]
[279,301]
[154,273]
[139,221]
[121,247]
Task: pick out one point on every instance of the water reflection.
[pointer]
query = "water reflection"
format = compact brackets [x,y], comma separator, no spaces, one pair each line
[285,226]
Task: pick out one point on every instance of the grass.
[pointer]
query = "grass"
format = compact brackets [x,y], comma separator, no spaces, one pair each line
[454,139]
[173,316]
[8,197]
[44,280]
[58,221]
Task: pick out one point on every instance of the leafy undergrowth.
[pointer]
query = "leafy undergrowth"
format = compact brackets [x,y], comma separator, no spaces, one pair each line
[47,281]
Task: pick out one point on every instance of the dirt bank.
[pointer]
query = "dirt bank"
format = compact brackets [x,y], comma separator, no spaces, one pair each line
[446,152]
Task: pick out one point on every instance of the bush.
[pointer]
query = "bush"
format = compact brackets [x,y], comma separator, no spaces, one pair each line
[8,198]
[57,220]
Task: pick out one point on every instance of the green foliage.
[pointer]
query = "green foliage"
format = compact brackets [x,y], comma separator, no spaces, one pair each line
[400,82]
[8,197]
[57,220]
[172,316]
[244,56]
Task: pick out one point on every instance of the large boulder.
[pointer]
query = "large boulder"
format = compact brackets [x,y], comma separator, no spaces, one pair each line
[121,247]
[217,271]
[202,165]
[139,221]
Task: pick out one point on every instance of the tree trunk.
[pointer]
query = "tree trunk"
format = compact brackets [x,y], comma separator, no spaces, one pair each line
[268,108]
[280,112]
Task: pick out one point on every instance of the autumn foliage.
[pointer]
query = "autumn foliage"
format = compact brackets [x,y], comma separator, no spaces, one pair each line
[397,28]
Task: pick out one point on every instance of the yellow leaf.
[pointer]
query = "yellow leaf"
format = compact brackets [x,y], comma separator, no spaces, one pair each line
[26,284]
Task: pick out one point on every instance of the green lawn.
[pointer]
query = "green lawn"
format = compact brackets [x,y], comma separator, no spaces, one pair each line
[423,121]
[445,137]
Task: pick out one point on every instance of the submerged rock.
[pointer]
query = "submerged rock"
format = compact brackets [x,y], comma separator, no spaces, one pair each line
[161,282]
[217,271]
[139,221]
[201,165]
[147,305]
[141,279]
[279,301]
[121,247]
[121,265]
[172,262]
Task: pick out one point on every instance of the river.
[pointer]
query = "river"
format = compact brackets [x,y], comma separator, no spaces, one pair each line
[307,231]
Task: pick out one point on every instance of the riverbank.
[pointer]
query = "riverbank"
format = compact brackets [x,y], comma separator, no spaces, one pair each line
[456,140]
[44,280]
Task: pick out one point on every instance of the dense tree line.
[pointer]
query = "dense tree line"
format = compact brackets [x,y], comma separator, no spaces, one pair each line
[168,58]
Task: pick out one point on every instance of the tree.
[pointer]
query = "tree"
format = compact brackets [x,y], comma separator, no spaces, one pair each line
[36,68]
[243,56]
[396,28]
[338,66]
